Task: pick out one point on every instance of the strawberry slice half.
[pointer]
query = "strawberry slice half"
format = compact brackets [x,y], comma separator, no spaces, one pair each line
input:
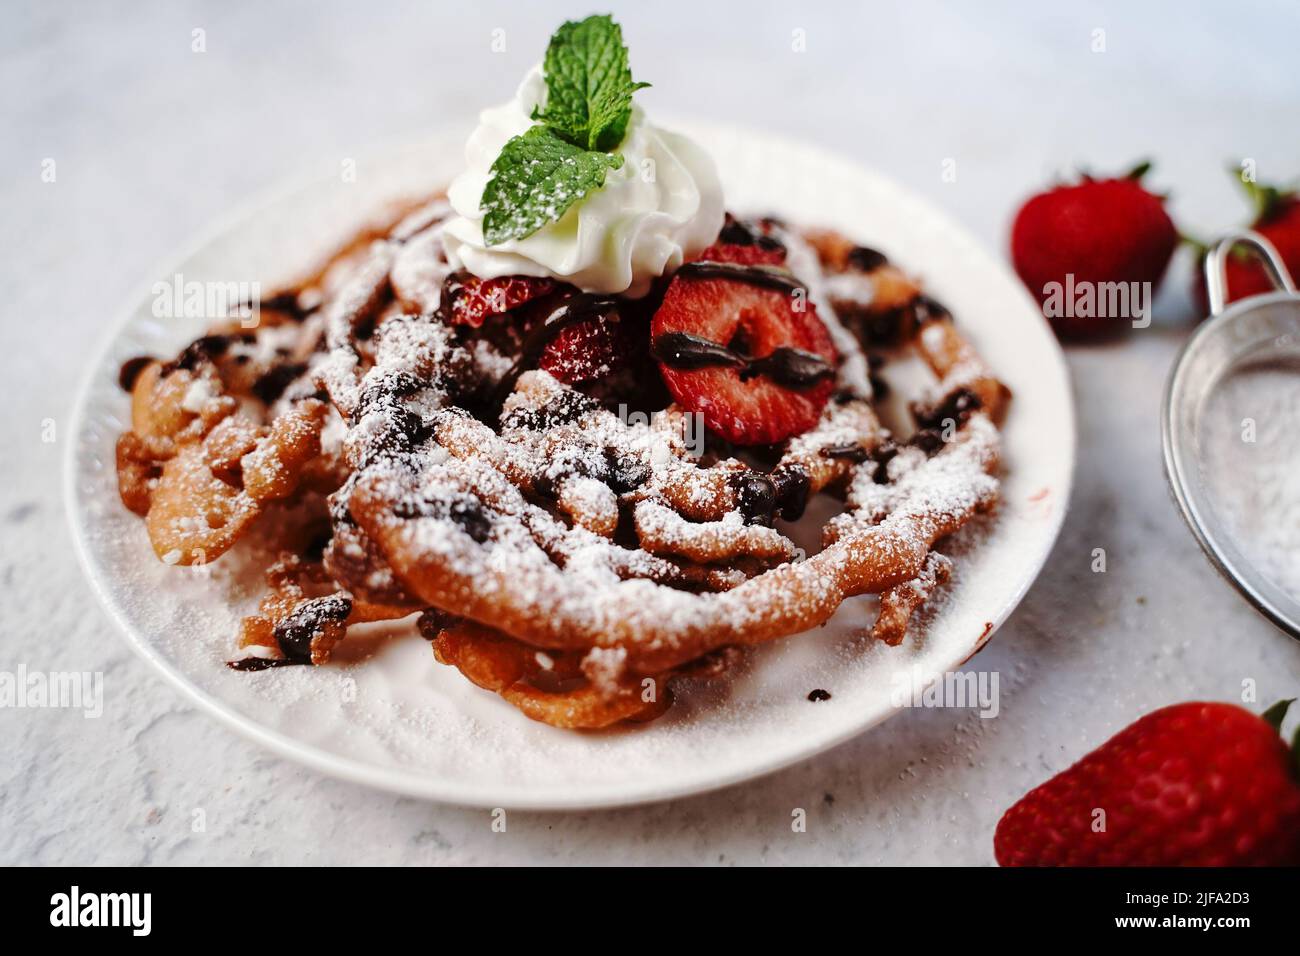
[754,360]
[469,300]
[745,243]
[587,351]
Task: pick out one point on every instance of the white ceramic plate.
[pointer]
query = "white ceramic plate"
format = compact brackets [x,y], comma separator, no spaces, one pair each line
[389,716]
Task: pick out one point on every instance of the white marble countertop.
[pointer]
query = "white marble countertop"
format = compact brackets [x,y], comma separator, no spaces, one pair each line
[151,141]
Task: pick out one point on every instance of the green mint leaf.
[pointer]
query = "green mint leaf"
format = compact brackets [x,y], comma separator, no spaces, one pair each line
[589,84]
[535,180]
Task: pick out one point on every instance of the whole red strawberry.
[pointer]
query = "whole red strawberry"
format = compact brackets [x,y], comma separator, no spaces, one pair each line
[1277,219]
[1198,784]
[1067,242]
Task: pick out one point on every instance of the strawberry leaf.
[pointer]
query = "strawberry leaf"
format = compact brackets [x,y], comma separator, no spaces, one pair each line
[1138,171]
[1277,713]
[1265,200]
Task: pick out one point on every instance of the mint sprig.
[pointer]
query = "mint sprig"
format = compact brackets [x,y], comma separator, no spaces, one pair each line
[543,172]
[589,84]
[535,179]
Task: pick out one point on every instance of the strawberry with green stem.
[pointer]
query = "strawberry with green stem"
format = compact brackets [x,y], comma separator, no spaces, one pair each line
[1277,218]
[1088,233]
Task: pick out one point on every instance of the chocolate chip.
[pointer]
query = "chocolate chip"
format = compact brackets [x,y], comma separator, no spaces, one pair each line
[433,621]
[927,309]
[866,259]
[271,384]
[130,371]
[469,514]
[295,633]
[929,440]
[956,406]
[792,484]
[818,694]
[852,452]
[756,494]
[738,233]
[203,349]
[566,407]
[464,510]
[625,472]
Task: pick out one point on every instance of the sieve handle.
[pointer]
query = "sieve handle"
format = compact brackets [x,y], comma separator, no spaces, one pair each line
[1216,282]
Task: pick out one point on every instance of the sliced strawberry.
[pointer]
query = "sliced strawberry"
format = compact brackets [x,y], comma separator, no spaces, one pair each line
[755,361]
[468,300]
[586,351]
[745,243]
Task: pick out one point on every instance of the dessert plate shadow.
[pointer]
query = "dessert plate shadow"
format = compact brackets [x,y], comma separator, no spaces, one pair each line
[387,715]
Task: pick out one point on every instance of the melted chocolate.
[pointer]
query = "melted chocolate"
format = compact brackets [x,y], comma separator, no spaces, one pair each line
[932,423]
[272,383]
[882,455]
[250,664]
[564,409]
[791,367]
[792,486]
[433,622]
[866,259]
[851,451]
[783,493]
[465,510]
[201,350]
[737,233]
[756,496]
[767,277]
[294,634]
[687,352]
[130,371]
[285,301]
[957,406]
[928,309]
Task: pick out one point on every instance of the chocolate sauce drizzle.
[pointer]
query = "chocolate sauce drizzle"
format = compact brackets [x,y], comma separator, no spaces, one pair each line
[767,277]
[787,366]
[850,452]
[251,664]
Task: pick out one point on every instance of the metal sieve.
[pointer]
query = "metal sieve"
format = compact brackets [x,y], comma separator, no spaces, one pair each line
[1243,362]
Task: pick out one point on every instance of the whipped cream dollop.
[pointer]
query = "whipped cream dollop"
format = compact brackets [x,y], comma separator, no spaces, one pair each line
[663,206]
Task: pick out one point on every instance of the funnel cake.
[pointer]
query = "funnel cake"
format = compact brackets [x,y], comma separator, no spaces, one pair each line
[573,546]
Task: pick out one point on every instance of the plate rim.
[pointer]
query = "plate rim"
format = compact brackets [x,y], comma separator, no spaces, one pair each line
[437,787]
